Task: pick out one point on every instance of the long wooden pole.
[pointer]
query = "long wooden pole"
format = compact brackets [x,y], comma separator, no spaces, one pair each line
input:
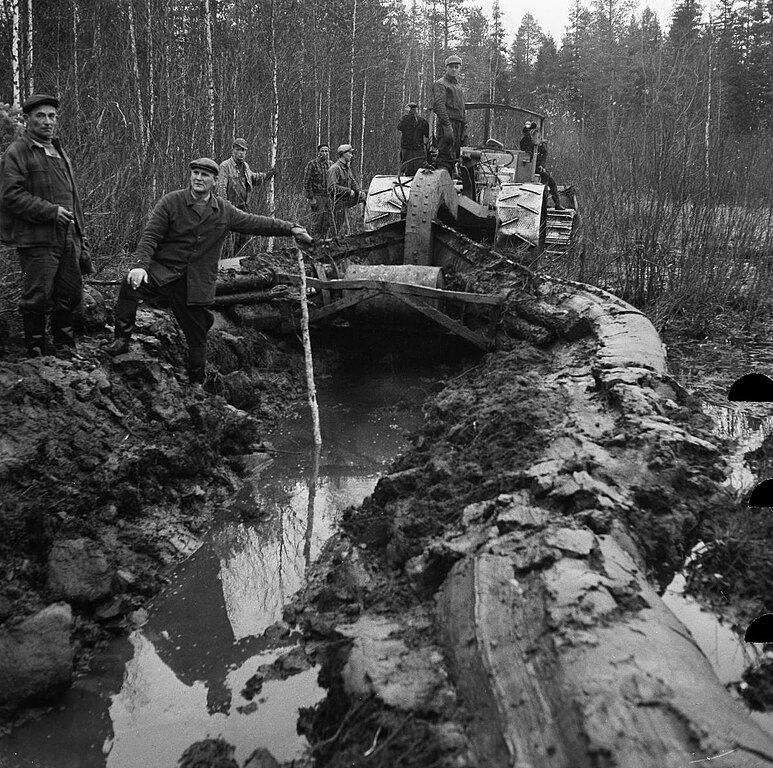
[307,352]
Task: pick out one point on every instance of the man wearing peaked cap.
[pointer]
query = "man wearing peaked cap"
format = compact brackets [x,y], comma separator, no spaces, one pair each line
[345,191]
[38,100]
[177,259]
[236,183]
[42,216]
[415,130]
[448,103]
[316,189]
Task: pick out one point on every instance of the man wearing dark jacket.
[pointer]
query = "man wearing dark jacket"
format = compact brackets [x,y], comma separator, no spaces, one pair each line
[528,144]
[345,191]
[316,190]
[448,103]
[41,214]
[177,260]
[414,129]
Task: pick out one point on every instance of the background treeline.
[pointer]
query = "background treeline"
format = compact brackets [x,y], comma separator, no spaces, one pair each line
[665,132]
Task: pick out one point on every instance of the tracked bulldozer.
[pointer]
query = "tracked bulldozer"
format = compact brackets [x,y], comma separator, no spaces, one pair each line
[500,197]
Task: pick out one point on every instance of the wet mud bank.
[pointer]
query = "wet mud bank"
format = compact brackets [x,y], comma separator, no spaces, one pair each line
[496,600]
[493,602]
[110,470]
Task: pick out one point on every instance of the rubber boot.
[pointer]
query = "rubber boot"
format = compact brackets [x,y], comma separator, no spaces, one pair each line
[62,332]
[197,365]
[35,334]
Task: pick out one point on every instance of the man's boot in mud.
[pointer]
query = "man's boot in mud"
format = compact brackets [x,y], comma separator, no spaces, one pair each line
[63,333]
[34,325]
[197,366]
[123,334]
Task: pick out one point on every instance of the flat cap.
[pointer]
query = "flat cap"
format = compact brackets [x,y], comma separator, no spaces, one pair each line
[205,164]
[36,100]
[412,104]
[241,143]
[345,148]
[453,59]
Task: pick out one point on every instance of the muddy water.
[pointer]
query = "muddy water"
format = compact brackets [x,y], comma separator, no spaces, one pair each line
[748,425]
[181,676]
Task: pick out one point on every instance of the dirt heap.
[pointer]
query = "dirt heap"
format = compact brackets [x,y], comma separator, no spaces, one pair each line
[109,471]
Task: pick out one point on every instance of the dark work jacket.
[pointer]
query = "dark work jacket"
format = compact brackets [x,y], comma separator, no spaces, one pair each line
[448,101]
[27,215]
[414,128]
[177,241]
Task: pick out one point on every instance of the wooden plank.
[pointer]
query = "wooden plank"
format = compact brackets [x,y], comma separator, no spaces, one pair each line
[460,330]
[338,306]
[406,288]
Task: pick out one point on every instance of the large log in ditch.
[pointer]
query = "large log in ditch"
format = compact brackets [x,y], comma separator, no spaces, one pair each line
[559,645]
[551,646]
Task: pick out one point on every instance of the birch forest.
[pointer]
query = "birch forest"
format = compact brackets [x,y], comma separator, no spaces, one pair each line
[663,128]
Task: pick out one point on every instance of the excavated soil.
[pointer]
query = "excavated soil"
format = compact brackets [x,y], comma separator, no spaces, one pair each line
[122,453]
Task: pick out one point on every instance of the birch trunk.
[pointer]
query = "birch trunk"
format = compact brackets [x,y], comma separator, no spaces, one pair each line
[137,86]
[307,353]
[274,123]
[351,73]
[210,79]
[30,77]
[362,129]
[15,44]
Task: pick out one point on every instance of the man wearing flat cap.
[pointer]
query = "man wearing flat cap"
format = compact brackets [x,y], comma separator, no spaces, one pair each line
[415,130]
[344,190]
[316,190]
[448,103]
[177,259]
[236,181]
[41,215]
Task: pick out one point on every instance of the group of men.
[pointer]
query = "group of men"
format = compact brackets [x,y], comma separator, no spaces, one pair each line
[176,259]
[180,246]
[331,189]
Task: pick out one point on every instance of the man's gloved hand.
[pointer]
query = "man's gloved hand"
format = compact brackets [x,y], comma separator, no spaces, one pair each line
[301,235]
[313,204]
[270,173]
[84,262]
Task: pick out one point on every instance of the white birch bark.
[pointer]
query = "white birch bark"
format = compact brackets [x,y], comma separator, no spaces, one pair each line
[136,71]
[210,79]
[76,19]
[15,43]
[274,123]
[29,52]
[351,72]
[362,128]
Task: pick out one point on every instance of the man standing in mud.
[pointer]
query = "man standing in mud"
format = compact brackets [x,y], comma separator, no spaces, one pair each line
[236,181]
[41,215]
[344,190]
[448,103]
[315,188]
[177,260]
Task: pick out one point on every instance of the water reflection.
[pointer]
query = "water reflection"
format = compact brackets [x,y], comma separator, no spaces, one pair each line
[748,426]
[180,677]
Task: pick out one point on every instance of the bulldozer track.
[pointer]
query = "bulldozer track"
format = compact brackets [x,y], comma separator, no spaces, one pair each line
[558,232]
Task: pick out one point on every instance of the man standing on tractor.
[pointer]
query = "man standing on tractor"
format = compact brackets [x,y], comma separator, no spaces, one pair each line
[414,129]
[528,144]
[448,103]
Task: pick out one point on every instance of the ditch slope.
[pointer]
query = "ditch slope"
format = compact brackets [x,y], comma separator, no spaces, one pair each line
[494,602]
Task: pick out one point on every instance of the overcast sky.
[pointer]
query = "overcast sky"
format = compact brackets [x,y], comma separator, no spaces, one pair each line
[553,15]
